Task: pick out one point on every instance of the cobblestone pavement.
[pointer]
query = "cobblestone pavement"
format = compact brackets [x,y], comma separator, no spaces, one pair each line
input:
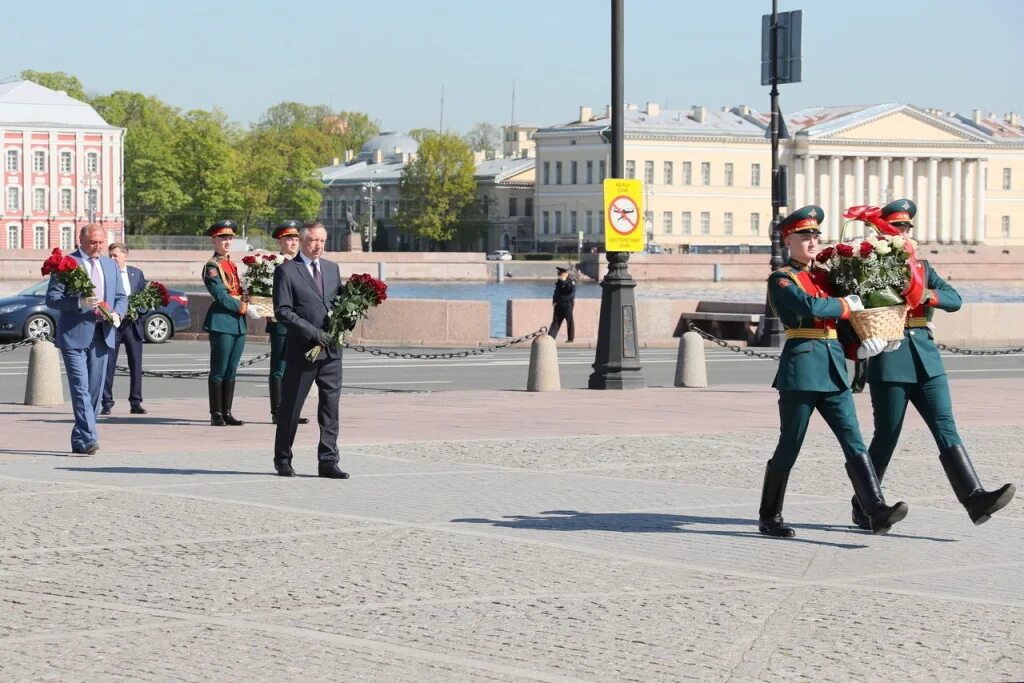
[595,555]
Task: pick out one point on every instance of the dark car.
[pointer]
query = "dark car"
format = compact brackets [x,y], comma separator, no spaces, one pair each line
[26,314]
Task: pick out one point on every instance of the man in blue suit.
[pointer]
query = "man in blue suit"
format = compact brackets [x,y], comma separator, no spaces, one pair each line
[129,335]
[83,337]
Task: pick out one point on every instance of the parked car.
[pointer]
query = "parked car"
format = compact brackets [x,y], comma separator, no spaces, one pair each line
[26,315]
[499,255]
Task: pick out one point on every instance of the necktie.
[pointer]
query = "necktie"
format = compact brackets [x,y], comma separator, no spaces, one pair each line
[318,280]
[96,276]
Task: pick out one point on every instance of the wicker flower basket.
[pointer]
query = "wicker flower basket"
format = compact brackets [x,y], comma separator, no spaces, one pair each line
[266,304]
[885,323]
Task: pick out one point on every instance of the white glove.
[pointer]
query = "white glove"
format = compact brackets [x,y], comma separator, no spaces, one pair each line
[892,346]
[116,322]
[855,303]
[870,347]
[253,311]
[87,303]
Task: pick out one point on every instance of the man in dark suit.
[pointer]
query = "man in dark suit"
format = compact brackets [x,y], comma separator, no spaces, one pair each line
[304,289]
[129,335]
[83,336]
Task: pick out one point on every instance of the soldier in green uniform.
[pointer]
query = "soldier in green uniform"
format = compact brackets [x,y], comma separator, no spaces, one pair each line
[225,323]
[287,236]
[913,373]
[812,376]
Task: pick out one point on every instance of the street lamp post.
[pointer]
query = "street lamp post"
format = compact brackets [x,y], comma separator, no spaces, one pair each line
[89,183]
[370,187]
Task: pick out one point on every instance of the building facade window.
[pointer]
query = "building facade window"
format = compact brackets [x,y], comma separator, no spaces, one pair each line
[513,207]
[329,209]
[574,173]
[343,208]
[728,175]
[39,199]
[686,223]
[1007,178]
[547,172]
[558,173]
[705,173]
[65,199]
[13,198]
[755,175]
[558,222]
[67,238]
[528,206]
[65,162]
[546,222]
[602,170]
[666,222]
[589,222]
[92,200]
[705,223]
[649,220]
[649,172]
[630,169]
[14,237]
[727,222]
[687,173]
[12,160]
[39,161]
[590,173]
[39,237]
[668,173]
[1006,226]
[755,224]
[92,162]
[573,228]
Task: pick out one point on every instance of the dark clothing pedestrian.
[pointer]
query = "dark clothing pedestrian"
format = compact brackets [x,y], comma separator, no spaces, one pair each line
[130,335]
[563,300]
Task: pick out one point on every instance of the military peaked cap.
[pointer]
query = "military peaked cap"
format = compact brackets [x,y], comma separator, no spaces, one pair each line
[223,227]
[805,219]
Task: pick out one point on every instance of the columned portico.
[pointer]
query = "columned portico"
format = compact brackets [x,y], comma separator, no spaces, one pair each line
[956,229]
[933,200]
[834,209]
[979,201]
[883,181]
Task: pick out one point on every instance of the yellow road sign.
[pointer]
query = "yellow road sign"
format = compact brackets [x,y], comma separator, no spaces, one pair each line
[623,220]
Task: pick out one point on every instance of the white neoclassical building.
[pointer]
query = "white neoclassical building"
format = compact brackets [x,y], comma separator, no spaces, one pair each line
[707,173]
[63,167]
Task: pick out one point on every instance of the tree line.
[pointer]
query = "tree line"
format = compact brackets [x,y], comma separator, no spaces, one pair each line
[185,169]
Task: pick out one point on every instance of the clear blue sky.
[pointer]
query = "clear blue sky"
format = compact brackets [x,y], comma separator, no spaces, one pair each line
[390,58]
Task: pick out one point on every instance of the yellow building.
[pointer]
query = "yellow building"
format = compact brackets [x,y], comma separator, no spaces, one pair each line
[707,173]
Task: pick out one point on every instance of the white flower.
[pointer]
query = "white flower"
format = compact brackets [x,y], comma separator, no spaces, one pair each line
[897,242]
[882,248]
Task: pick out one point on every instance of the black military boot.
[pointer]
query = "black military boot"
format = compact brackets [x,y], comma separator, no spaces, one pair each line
[980,504]
[881,516]
[229,398]
[773,492]
[859,518]
[274,384]
[216,392]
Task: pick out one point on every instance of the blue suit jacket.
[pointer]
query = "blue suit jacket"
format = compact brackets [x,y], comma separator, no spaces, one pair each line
[77,328]
[137,280]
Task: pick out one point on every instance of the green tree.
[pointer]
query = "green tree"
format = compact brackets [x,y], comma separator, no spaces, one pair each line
[300,191]
[350,130]
[151,167]
[57,80]
[291,115]
[421,134]
[483,137]
[209,171]
[436,187]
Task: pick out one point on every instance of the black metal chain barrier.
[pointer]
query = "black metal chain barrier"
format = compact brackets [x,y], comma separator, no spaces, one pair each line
[4,348]
[189,374]
[358,348]
[977,352]
[733,347]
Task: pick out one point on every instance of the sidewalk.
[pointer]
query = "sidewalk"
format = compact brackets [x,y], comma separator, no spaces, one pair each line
[592,536]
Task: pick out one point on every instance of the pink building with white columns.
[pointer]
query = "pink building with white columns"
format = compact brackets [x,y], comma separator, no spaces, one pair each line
[62,166]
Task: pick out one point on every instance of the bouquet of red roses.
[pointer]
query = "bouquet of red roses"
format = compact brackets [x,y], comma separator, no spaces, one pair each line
[153,295]
[75,280]
[359,294]
[258,278]
[874,268]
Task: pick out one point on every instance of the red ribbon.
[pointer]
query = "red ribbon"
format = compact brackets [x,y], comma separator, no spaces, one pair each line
[914,293]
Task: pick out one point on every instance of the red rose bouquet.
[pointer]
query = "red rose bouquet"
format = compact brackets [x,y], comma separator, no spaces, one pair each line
[258,280]
[359,294]
[72,275]
[153,295]
[875,269]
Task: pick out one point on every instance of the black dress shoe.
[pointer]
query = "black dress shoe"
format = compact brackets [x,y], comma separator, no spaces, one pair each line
[105,410]
[330,470]
[303,420]
[284,469]
[88,450]
[138,410]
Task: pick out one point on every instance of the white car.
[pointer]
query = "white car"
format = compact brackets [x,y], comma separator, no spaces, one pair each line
[499,255]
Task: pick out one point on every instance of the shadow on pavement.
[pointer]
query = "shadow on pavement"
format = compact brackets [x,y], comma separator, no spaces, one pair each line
[640,522]
[160,470]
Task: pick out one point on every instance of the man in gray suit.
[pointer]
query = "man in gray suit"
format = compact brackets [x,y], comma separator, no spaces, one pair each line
[304,289]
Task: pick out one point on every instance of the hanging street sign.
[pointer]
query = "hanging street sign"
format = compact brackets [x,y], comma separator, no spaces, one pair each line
[623,221]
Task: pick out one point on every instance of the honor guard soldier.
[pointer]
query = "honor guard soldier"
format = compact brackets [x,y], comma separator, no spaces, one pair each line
[287,236]
[225,322]
[914,373]
[812,376]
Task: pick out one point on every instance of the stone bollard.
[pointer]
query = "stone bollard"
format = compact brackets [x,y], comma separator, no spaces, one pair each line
[382,271]
[691,368]
[43,386]
[501,271]
[717,273]
[543,365]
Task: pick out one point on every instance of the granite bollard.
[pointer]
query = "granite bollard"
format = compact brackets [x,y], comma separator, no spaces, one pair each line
[543,365]
[691,367]
[43,385]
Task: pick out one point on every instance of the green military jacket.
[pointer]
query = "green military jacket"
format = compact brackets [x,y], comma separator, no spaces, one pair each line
[918,358]
[226,312]
[812,358]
